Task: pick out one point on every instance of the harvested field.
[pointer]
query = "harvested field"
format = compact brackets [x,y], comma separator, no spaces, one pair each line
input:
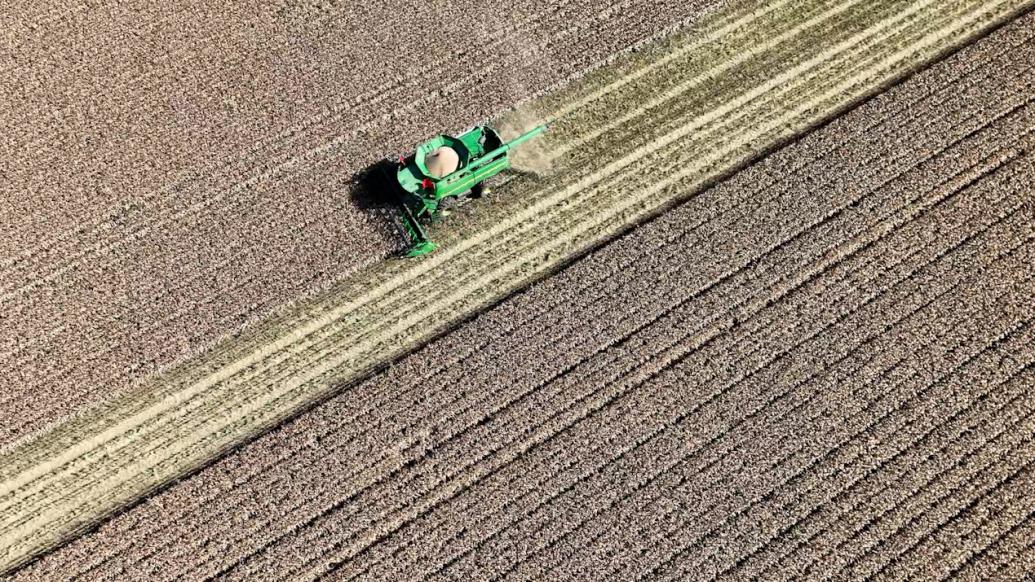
[824,363]
[175,170]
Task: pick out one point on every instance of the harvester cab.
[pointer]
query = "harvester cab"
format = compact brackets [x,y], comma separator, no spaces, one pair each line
[447,166]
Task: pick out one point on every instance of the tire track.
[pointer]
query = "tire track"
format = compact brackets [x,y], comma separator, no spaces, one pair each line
[273,487]
[291,392]
[334,262]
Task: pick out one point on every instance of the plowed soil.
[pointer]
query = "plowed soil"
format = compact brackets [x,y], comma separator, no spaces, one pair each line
[824,364]
[176,170]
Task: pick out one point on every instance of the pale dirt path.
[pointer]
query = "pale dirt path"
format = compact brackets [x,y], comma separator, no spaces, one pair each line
[803,359]
[173,171]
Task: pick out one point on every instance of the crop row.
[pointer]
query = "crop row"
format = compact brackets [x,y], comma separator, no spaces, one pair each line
[208,237]
[212,414]
[333,468]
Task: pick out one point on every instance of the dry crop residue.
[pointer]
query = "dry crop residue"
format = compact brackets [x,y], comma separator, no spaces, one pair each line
[825,363]
[658,129]
[172,171]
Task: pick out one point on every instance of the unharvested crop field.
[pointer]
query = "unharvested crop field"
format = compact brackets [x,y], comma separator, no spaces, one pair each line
[823,362]
[826,362]
[178,169]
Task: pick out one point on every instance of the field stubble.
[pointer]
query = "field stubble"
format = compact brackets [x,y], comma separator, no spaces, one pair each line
[186,169]
[824,361]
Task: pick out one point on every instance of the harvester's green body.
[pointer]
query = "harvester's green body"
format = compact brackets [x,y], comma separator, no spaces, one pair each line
[482,155]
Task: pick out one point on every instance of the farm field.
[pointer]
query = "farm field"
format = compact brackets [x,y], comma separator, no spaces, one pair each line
[182,168]
[804,366]
[824,362]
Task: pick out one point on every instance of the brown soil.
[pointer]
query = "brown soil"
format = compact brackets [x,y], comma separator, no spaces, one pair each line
[824,364]
[175,171]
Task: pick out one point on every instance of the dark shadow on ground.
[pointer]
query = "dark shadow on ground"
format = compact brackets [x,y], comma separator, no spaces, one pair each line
[374,192]
[371,188]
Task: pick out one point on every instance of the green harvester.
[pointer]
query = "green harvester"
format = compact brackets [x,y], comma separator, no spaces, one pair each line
[446,166]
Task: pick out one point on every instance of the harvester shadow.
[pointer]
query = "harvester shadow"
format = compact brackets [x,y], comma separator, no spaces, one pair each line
[370,190]
[373,192]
